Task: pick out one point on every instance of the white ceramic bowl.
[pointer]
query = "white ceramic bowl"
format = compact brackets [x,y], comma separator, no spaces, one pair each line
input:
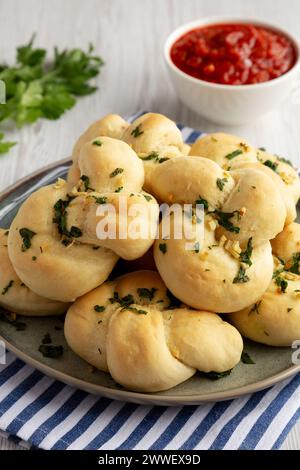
[230,104]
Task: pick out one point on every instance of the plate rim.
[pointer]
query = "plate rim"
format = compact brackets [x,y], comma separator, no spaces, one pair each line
[127,395]
[150,398]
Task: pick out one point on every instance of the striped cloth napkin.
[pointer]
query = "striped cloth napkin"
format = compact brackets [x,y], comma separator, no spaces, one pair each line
[50,415]
[38,411]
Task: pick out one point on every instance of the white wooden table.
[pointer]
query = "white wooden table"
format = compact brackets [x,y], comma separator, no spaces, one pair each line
[129,35]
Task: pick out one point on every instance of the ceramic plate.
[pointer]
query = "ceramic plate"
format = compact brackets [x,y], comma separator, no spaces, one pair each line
[271,364]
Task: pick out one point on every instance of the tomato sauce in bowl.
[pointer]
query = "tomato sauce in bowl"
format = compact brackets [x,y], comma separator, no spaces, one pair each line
[234,54]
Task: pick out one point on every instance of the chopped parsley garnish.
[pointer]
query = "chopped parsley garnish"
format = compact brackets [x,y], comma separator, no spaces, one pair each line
[241,276]
[255,308]
[203,202]
[86,181]
[154,156]
[224,220]
[117,171]
[245,256]
[6,288]
[47,339]
[100,199]
[60,217]
[151,156]
[119,189]
[97,142]
[147,197]
[53,352]
[174,302]
[280,282]
[262,149]
[139,311]
[99,308]
[221,183]
[289,309]
[75,232]
[272,165]
[123,301]
[34,258]
[246,359]
[137,131]
[295,264]
[233,154]
[145,293]
[163,248]
[26,235]
[285,160]
[217,375]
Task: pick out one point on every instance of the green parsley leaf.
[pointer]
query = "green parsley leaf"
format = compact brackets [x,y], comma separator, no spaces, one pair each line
[174,302]
[285,160]
[38,88]
[145,293]
[241,276]
[137,131]
[139,311]
[246,359]
[217,375]
[203,202]
[26,235]
[116,172]
[123,301]
[6,288]
[99,308]
[100,199]
[255,308]
[5,146]
[295,261]
[245,256]
[53,352]
[151,156]
[233,154]
[282,283]
[97,142]
[163,247]
[224,220]
[221,183]
[272,165]
[86,181]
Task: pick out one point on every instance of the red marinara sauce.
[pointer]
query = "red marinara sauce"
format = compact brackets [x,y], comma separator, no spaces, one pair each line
[234,54]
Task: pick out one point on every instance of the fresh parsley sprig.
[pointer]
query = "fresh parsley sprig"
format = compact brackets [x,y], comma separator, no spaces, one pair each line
[37,88]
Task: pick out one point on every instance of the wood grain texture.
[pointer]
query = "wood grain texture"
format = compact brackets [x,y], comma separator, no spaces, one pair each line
[130,35]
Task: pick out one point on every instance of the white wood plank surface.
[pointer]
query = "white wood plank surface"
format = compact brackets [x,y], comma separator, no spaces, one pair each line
[130,35]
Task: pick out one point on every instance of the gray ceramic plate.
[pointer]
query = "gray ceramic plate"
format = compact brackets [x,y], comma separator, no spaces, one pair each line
[271,364]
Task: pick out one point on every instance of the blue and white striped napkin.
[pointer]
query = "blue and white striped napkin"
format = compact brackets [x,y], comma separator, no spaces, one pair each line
[50,415]
[38,411]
